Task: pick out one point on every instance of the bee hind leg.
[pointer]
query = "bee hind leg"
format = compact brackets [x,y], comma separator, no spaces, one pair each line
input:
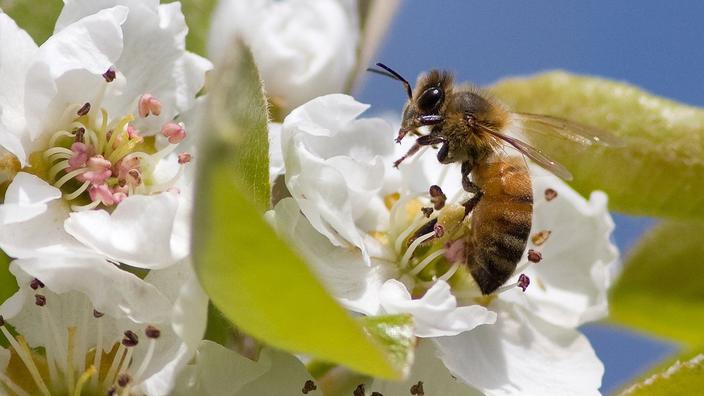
[470,187]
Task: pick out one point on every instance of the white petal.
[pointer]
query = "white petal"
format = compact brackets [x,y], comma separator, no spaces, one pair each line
[154,59]
[428,369]
[276,161]
[342,271]
[22,239]
[69,66]
[523,355]
[335,167]
[110,289]
[569,285]
[26,197]
[17,50]
[275,373]
[138,232]
[436,313]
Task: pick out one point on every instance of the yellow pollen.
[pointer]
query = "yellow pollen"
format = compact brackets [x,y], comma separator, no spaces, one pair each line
[391,199]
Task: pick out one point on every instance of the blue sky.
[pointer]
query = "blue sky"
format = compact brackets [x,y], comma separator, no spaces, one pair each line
[655,45]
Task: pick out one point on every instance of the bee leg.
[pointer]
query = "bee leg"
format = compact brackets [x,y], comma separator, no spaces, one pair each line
[420,142]
[470,187]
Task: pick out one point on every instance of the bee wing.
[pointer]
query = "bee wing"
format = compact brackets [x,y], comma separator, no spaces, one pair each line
[575,132]
[533,153]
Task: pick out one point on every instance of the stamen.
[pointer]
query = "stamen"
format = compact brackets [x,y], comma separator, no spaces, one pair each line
[184,158]
[125,362]
[153,334]
[60,166]
[80,190]
[36,284]
[85,109]
[437,197]
[12,386]
[123,379]
[175,132]
[523,282]
[81,208]
[70,175]
[110,75]
[413,246]
[550,194]
[83,379]
[49,349]
[147,105]
[417,221]
[98,345]
[534,256]
[119,356]
[540,237]
[447,275]
[26,358]
[427,211]
[421,266]
[70,350]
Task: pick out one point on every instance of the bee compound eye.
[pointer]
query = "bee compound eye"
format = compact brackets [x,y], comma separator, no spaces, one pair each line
[430,99]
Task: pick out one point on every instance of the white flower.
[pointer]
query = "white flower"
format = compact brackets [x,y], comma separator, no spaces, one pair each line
[100,327]
[359,223]
[220,371]
[90,118]
[303,48]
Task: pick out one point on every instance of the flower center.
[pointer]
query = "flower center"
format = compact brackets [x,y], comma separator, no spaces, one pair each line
[68,364]
[428,236]
[100,160]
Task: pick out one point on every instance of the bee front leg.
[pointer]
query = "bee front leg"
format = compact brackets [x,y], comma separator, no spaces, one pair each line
[470,187]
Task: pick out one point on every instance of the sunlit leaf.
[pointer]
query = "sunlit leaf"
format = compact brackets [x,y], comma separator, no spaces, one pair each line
[251,275]
[659,170]
[660,289]
[8,283]
[395,334]
[684,377]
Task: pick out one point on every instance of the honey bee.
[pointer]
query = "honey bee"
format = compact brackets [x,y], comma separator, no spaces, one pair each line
[472,128]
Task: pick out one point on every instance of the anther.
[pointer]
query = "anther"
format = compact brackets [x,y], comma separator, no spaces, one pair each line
[79,134]
[152,332]
[359,390]
[36,284]
[123,379]
[112,391]
[437,197]
[174,131]
[540,237]
[550,194]
[417,389]
[85,109]
[184,158]
[97,314]
[131,339]
[523,282]
[376,394]
[534,256]
[110,74]
[39,300]
[427,211]
[439,230]
[308,387]
[147,105]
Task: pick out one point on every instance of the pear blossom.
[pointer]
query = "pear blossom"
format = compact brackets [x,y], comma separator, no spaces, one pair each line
[102,330]
[303,48]
[91,132]
[380,241]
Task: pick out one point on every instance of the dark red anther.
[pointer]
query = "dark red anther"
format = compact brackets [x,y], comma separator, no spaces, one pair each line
[523,282]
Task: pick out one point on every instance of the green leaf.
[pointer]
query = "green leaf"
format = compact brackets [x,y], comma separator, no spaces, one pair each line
[659,170]
[198,13]
[8,283]
[682,378]
[395,334]
[37,19]
[251,275]
[660,290]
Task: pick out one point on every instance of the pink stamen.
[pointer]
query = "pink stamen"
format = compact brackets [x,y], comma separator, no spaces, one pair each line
[174,131]
[148,104]
[81,153]
[184,158]
[133,134]
[101,193]
[455,251]
[98,170]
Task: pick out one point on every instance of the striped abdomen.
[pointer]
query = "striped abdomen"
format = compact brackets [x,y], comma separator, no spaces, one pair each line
[501,221]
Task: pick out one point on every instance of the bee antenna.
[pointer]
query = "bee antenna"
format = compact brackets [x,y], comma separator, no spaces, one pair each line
[391,73]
